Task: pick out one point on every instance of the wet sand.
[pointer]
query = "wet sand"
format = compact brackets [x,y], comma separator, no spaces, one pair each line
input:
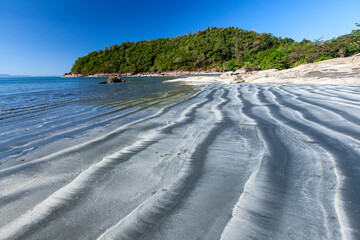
[234,161]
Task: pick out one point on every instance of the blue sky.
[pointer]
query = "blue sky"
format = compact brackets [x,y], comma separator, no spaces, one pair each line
[44,37]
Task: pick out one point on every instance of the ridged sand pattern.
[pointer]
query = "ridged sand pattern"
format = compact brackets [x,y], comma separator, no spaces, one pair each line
[234,161]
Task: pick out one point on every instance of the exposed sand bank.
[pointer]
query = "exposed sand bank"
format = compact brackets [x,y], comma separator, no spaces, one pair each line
[332,71]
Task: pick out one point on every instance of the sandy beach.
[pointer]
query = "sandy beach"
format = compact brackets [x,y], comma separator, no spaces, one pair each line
[173,120]
[233,161]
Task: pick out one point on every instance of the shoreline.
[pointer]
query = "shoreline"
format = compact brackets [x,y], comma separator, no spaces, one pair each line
[333,71]
[146,74]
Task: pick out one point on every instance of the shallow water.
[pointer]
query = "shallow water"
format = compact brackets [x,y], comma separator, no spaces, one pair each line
[239,161]
[38,110]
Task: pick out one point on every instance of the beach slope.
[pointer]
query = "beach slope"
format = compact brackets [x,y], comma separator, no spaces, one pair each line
[234,161]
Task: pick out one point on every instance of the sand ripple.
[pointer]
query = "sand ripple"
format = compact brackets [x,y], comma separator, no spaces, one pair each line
[234,161]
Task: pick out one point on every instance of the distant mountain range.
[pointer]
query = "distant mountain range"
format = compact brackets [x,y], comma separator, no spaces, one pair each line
[13,76]
[8,75]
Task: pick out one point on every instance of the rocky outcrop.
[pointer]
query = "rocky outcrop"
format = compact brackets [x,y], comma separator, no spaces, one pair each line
[237,76]
[115,79]
[333,71]
[74,75]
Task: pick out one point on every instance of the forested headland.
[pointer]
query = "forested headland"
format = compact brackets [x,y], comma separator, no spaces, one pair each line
[215,49]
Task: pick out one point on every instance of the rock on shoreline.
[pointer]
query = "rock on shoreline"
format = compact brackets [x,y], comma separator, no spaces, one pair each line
[333,71]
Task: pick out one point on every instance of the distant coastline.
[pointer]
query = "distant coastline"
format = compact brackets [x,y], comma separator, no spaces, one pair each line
[24,76]
[12,76]
[345,70]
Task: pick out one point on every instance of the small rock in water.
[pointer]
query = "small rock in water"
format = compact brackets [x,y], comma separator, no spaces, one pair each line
[115,79]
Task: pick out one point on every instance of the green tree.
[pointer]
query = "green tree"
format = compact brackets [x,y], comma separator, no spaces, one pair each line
[356,31]
[215,48]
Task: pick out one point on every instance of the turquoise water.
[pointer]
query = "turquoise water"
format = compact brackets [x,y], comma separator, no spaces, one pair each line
[54,108]
[23,92]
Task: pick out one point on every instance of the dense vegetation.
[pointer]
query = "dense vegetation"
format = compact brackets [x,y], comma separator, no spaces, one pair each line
[215,49]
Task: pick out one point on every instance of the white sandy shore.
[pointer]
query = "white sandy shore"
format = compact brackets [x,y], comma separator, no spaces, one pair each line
[234,161]
[333,71]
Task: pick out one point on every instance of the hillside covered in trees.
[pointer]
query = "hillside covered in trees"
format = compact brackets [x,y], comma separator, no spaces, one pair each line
[215,49]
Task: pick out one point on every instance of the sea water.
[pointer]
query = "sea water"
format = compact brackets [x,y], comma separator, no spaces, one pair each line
[35,111]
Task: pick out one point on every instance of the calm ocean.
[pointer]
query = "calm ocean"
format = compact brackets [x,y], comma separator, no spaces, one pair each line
[35,111]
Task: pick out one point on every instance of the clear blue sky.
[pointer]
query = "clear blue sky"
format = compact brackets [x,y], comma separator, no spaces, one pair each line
[45,37]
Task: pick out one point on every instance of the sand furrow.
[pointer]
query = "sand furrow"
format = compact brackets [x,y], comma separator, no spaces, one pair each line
[348,112]
[233,161]
[260,210]
[322,115]
[344,156]
[154,209]
[63,196]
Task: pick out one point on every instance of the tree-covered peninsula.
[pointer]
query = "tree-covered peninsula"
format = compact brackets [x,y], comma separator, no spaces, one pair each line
[215,49]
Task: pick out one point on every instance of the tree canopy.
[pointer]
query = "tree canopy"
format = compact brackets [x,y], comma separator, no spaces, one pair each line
[215,49]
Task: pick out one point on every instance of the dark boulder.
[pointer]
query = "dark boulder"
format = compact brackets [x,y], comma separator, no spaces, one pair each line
[115,79]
